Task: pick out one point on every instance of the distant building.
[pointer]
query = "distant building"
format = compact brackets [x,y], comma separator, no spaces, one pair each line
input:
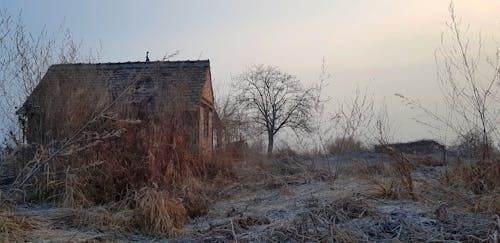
[69,94]
[415,147]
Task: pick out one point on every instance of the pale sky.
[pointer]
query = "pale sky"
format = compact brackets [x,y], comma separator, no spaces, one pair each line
[387,45]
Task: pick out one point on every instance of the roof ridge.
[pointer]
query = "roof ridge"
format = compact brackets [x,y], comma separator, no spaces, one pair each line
[137,62]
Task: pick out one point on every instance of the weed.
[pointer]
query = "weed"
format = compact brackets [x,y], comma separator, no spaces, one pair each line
[158,213]
[15,228]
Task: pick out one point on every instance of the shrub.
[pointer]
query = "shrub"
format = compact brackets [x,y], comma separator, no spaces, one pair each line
[393,181]
[345,145]
[471,145]
[479,178]
[158,213]
[285,151]
[148,165]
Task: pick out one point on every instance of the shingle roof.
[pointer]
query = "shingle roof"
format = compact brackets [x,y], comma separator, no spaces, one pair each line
[181,79]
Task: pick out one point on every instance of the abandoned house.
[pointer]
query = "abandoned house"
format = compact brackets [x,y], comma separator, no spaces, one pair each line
[69,95]
[415,147]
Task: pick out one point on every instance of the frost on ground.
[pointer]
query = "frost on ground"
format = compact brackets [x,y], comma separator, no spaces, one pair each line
[292,199]
[315,205]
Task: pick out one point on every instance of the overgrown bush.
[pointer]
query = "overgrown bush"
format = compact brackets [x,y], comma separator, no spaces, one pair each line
[284,151]
[345,145]
[394,180]
[479,178]
[471,145]
[159,213]
[145,163]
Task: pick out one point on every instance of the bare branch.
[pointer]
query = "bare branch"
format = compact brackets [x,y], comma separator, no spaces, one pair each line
[275,100]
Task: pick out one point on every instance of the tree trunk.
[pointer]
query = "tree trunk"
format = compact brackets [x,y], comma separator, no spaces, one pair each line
[270,143]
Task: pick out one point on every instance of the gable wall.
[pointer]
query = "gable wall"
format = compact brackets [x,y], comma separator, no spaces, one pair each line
[206,112]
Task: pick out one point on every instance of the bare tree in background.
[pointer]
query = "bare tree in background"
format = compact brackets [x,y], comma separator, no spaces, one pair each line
[467,81]
[321,131]
[24,59]
[230,115]
[352,120]
[274,100]
[383,132]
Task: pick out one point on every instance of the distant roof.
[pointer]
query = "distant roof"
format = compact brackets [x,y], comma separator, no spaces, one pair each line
[420,142]
[170,75]
[417,142]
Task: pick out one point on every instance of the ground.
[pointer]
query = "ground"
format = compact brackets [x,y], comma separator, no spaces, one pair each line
[300,199]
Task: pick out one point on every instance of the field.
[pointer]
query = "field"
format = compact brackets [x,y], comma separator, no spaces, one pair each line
[365,197]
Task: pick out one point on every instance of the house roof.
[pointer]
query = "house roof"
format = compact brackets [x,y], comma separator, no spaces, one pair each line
[418,143]
[183,80]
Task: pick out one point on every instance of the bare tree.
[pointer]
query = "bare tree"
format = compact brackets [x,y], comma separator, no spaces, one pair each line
[274,100]
[355,115]
[229,115]
[383,130]
[321,131]
[352,121]
[24,59]
[467,81]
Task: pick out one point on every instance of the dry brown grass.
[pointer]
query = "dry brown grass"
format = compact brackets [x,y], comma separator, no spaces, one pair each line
[158,213]
[481,177]
[345,145]
[195,197]
[97,218]
[245,222]
[430,161]
[128,160]
[473,187]
[487,203]
[14,228]
[392,181]
[323,223]
[279,171]
[402,168]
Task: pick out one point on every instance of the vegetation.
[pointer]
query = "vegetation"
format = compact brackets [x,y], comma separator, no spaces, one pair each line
[274,100]
[123,175]
[347,145]
[469,83]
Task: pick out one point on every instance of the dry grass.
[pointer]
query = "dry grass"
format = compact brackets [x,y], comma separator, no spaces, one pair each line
[323,223]
[393,181]
[5,203]
[487,203]
[97,218]
[245,222]
[430,161]
[14,228]
[345,145]
[402,168]
[473,187]
[128,160]
[481,177]
[158,213]
[194,194]
[279,171]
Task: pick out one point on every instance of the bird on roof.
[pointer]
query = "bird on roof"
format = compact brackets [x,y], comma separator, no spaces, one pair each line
[147,56]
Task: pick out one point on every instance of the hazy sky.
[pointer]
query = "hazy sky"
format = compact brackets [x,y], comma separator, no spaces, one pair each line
[387,45]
